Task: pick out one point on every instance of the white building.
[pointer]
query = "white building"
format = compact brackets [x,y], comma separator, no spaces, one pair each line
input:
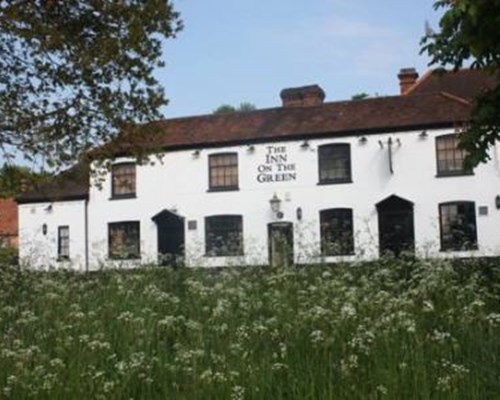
[307,182]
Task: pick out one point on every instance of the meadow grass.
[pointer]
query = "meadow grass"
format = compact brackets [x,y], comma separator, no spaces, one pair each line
[394,329]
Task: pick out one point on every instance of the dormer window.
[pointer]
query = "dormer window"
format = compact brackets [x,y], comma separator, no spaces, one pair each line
[123,181]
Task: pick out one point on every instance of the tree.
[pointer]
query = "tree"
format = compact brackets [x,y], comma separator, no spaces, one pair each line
[15,179]
[360,96]
[469,33]
[75,72]
[228,109]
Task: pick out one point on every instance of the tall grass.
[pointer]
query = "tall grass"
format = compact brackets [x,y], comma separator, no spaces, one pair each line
[395,329]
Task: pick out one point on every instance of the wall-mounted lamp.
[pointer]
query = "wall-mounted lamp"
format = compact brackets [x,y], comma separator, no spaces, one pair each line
[304,145]
[250,148]
[48,208]
[497,201]
[275,204]
[423,134]
[299,213]
[362,140]
[196,153]
[44,229]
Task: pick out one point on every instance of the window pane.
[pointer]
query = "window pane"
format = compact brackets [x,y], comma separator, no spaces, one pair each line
[458,226]
[63,242]
[337,233]
[450,159]
[223,171]
[123,179]
[335,163]
[124,240]
[224,235]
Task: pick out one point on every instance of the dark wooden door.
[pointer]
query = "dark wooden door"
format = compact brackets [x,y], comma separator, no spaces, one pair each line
[280,240]
[170,228]
[396,228]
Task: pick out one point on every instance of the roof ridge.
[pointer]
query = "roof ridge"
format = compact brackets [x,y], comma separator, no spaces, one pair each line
[283,109]
[455,98]
[419,81]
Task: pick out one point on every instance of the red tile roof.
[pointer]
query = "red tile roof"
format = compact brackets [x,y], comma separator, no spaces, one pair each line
[382,114]
[434,101]
[465,83]
[72,184]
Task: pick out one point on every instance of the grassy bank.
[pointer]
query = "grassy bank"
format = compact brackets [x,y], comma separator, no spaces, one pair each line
[394,329]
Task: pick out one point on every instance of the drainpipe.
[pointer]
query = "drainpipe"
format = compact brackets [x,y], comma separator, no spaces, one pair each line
[86,212]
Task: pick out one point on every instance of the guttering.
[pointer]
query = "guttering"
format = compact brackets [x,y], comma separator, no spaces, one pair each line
[86,238]
[48,198]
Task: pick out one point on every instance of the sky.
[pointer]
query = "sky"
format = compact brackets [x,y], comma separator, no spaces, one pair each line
[233,51]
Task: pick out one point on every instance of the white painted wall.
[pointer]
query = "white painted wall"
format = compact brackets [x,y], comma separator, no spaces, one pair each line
[39,251]
[180,182]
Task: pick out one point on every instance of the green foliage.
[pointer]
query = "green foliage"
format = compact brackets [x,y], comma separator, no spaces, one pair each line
[8,257]
[14,178]
[360,96]
[469,32]
[395,329]
[229,109]
[224,109]
[246,106]
[75,72]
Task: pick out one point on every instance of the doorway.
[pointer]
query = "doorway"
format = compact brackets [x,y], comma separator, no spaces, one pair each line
[170,228]
[395,226]
[280,241]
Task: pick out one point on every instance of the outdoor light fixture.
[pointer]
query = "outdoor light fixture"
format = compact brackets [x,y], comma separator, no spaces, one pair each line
[305,144]
[196,153]
[275,204]
[250,148]
[362,140]
[299,213]
[48,208]
[44,229]
[497,201]
[423,134]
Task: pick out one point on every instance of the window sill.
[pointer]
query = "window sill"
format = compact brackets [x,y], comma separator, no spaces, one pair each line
[461,250]
[339,255]
[223,255]
[224,189]
[334,182]
[123,197]
[453,174]
[129,258]
[63,259]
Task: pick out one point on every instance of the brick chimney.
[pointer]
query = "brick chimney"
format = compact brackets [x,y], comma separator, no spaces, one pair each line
[304,96]
[407,78]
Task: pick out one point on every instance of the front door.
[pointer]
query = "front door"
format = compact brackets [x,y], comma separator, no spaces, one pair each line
[395,225]
[170,231]
[280,239]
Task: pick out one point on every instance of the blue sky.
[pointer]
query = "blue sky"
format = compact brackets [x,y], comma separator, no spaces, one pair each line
[232,51]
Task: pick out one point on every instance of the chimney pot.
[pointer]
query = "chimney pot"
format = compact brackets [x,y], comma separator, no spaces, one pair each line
[304,96]
[407,78]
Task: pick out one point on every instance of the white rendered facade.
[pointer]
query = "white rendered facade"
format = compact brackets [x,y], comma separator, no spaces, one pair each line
[180,183]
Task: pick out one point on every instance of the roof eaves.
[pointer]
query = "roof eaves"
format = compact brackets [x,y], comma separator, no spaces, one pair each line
[50,198]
